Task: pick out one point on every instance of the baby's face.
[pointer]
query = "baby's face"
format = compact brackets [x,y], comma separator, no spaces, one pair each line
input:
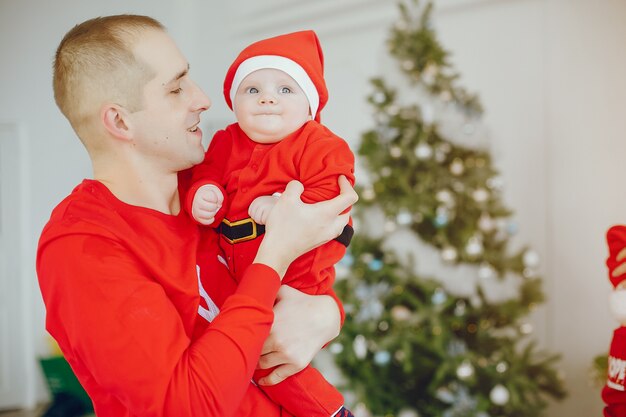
[269,105]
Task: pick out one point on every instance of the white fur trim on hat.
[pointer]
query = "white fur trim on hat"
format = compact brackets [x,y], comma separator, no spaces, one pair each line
[292,68]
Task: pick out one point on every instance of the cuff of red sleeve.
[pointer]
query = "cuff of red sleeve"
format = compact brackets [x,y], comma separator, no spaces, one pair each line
[261,282]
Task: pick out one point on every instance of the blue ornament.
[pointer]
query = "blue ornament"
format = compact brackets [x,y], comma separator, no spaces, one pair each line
[511,228]
[375,265]
[441,219]
[382,357]
[439,297]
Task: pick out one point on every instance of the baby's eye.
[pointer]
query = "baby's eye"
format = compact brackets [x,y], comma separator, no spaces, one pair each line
[285,90]
[253,90]
[177,91]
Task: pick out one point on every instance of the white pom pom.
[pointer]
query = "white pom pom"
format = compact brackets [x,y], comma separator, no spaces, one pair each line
[617,305]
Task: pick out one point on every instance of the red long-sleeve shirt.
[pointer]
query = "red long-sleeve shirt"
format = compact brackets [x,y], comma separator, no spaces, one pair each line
[121,288]
[245,170]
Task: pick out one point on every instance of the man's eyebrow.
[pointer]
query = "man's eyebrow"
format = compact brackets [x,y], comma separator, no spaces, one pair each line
[178,76]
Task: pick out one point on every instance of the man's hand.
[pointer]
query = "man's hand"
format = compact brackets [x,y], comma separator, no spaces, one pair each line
[206,203]
[294,228]
[261,207]
[303,324]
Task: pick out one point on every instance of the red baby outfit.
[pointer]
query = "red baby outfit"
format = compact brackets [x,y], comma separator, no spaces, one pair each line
[244,170]
[121,287]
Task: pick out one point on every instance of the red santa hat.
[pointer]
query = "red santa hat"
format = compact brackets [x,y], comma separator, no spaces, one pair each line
[616,241]
[298,54]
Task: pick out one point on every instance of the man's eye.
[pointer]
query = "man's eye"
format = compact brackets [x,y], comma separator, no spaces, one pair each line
[177,91]
[285,90]
[253,90]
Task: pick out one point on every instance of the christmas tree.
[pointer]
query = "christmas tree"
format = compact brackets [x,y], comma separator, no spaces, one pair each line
[410,346]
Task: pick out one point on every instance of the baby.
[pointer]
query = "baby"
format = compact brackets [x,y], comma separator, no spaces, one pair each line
[276,89]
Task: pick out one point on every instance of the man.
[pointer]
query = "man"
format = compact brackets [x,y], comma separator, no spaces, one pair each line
[117,263]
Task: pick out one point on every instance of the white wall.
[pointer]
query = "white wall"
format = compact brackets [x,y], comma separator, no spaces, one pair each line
[550,74]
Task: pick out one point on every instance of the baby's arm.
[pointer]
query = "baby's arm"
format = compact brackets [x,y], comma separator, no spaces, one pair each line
[323,161]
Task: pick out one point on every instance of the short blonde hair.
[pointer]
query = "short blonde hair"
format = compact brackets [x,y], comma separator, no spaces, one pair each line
[95,63]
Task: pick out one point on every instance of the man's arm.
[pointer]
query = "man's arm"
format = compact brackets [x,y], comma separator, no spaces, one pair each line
[125,337]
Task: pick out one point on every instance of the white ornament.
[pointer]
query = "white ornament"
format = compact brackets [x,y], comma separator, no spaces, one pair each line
[360,346]
[404,218]
[445,197]
[486,271]
[395,152]
[400,313]
[408,412]
[480,195]
[474,246]
[499,395]
[335,348]
[465,370]
[448,254]
[456,167]
[423,151]
[531,259]
[379,97]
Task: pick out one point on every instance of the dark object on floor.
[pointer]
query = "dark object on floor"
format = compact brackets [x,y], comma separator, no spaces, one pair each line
[66,404]
[69,399]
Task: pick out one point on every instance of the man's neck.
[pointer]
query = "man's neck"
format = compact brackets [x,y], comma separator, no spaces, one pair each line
[144,189]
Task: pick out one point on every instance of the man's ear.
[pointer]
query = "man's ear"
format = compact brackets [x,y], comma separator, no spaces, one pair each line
[116,121]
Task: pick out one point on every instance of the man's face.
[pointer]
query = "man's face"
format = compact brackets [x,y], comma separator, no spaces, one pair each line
[270,105]
[166,128]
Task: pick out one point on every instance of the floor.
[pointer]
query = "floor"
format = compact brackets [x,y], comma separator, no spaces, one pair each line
[37,412]
[25,413]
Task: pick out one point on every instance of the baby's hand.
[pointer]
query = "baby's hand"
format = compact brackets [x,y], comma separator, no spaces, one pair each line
[206,203]
[261,207]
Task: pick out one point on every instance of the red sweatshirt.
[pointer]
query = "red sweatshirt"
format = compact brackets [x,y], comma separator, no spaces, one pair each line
[245,170]
[121,288]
